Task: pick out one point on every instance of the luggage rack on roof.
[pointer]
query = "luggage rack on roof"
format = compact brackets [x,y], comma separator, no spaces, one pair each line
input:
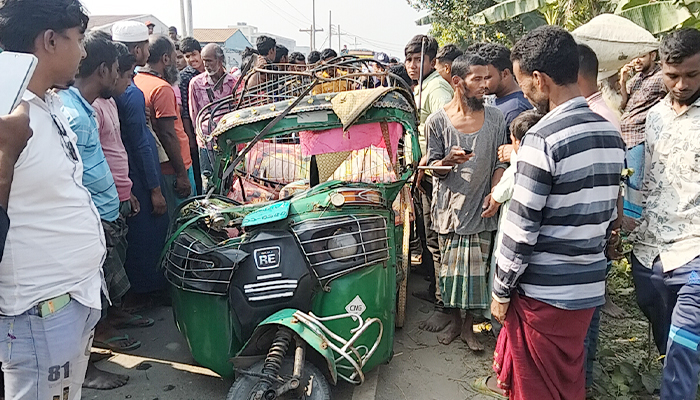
[280,82]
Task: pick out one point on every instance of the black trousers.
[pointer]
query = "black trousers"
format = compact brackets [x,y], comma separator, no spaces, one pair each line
[427,236]
[649,288]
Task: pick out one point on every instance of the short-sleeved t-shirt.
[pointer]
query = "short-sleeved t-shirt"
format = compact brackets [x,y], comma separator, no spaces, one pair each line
[459,195]
[511,106]
[112,145]
[162,103]
[97,177]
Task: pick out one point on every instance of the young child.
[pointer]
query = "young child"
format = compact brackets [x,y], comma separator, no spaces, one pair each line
[503,191]
[501,195]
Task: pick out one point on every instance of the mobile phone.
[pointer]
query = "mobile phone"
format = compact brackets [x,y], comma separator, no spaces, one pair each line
[468,151]
[16,69]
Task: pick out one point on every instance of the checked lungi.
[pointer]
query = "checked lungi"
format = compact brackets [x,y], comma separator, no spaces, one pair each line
[464,270]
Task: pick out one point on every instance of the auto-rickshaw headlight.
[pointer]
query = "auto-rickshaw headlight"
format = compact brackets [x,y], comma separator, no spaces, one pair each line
[342,245]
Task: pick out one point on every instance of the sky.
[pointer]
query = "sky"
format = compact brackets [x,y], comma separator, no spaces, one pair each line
[380,25]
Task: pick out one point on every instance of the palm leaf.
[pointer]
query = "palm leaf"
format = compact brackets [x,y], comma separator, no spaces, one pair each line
[657,17]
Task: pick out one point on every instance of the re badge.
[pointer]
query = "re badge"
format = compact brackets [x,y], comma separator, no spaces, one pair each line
[267,258]
[356,306]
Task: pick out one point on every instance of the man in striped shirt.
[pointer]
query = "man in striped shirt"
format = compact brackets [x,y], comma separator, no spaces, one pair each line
[551,264]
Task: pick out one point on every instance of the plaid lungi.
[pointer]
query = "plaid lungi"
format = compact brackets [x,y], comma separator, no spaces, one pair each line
[113,267]
[464,270]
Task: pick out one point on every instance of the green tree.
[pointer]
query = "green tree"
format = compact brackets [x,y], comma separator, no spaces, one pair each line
[655,16]
[451,24]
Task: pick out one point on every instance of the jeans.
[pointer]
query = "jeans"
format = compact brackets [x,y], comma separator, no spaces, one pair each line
[46,358]
[682,363]
[634,158]
[591,345]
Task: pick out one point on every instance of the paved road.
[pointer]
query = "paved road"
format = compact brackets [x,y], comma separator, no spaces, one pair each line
[421,369]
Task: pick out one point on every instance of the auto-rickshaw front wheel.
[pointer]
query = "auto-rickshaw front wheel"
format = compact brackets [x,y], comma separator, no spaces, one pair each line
[314,385]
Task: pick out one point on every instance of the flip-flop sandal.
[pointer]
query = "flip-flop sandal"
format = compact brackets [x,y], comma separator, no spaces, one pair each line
[133,322]
[480,385]
[424,295]
[110,344]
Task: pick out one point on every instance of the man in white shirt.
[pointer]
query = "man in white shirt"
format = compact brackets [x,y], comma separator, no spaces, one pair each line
[668,238]
[50,275]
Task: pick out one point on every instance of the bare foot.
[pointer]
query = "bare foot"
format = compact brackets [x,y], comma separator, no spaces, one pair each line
[613,309]
[436,322]
[453,328]
[467,334]
[97,379]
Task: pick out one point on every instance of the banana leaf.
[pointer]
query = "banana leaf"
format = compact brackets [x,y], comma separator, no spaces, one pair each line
[427,20]
[506,10]
[657,17]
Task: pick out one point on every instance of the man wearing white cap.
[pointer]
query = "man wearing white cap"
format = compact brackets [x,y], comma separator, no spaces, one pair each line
[148,228]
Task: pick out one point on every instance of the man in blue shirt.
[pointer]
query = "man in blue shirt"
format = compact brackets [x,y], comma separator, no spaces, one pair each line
[509,98]
[97,77]
[147,229]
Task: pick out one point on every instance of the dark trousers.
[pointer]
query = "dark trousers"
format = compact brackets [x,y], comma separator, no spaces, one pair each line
[428,237]
[653,299]
[682,362]
[591,345]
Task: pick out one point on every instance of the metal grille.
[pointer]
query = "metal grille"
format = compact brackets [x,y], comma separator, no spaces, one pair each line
[194,266]
[335,246]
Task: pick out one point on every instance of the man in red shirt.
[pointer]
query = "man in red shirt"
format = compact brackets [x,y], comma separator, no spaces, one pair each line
[156,80]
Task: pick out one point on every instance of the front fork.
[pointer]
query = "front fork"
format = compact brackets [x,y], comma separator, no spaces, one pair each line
[273,362]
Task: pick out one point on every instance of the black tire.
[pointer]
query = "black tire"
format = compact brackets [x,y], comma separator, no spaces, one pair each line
[320,389]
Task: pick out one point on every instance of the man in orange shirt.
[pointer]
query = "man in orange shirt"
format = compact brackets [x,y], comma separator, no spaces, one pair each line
[155,81]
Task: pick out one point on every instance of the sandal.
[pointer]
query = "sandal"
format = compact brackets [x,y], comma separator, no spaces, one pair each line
[481,385]
[136,321]
[111,344]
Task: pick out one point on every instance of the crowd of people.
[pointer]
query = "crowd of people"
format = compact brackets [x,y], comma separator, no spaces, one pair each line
[518,211]
[556,172]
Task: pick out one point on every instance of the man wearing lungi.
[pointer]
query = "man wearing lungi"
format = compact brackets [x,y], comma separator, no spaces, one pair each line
[465,135]
[551,262]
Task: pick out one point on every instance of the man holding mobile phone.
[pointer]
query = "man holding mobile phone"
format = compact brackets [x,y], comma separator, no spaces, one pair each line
[50,275]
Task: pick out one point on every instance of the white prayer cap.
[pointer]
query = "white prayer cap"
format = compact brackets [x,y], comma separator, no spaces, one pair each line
[129,32]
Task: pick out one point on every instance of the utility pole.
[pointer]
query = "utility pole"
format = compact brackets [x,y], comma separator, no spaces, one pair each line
[190,21]
[330,30]
[313,30]
[183,19]
[312,44]
[340,47]
[313,25]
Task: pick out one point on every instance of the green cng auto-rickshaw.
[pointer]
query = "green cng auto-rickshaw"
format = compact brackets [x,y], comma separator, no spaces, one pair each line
[286,273]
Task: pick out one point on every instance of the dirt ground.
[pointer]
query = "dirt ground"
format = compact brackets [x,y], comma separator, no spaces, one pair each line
[422,369]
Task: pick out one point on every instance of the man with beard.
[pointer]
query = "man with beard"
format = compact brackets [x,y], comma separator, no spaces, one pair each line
[668,238]
[465,136]
[215,84]
[155,80]
[551,262]
[50,274]
[509,98]
[148,228]
[432,94]
[97,78]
